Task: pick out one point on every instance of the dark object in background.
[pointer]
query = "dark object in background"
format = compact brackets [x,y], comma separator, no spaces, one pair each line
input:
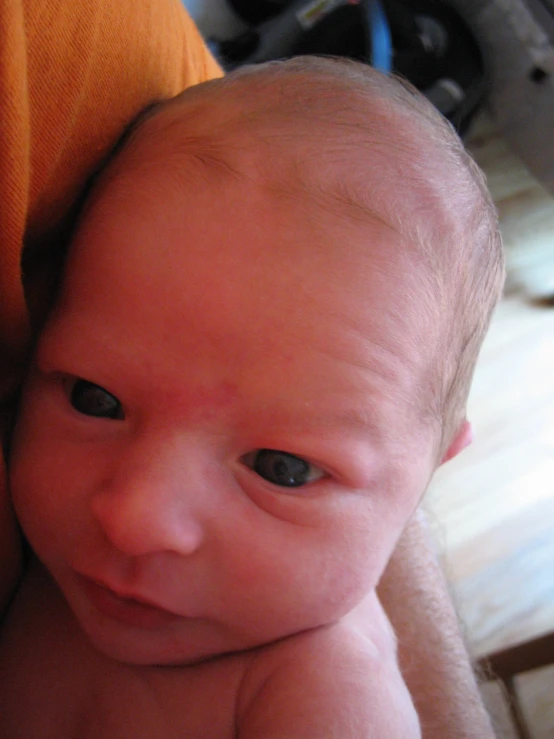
[293,27]
[430,45]
[255,12]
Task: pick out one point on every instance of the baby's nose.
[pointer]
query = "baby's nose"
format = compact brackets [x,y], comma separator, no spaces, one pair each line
[152,505]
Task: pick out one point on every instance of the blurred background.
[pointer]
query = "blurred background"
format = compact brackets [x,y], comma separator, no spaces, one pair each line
[487,65]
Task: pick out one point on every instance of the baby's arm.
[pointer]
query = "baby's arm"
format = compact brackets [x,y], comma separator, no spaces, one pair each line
[330,683]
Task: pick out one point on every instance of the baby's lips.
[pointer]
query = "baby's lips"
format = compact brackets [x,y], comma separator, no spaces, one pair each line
[128,608]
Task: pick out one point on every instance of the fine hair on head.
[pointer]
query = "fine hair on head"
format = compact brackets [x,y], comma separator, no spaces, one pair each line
[412,171]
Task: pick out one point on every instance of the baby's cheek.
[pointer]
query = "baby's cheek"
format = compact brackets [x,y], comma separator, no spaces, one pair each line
[362,547]
[27,479]
[386,518]
[34,467]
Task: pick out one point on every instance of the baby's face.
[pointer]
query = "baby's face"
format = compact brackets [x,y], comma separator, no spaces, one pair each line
[219,441]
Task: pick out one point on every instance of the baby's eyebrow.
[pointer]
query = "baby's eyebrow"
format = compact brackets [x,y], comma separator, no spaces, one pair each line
[365,420]
[358,418]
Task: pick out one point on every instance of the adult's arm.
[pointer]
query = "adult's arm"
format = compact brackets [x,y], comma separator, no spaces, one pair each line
[432,654]
[72,76]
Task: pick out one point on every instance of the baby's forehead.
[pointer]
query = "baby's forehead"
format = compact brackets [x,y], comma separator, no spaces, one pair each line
[345,156]
[322,196]
[275,278]
[346,165]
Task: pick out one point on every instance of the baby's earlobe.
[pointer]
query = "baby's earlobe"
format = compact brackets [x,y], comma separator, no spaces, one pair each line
[463,439]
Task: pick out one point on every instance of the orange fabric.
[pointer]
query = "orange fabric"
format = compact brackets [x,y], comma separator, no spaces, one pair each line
[73,73]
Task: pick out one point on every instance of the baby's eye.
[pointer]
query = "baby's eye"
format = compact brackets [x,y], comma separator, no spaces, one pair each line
[282,468]
[92,400]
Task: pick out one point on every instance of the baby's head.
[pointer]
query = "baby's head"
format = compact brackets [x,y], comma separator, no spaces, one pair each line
[260,353]
[354,145]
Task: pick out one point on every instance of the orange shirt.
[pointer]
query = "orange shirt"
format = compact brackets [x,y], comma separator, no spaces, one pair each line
[73,74]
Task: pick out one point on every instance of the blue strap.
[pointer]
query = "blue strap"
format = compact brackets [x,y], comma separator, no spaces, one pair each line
[381,43]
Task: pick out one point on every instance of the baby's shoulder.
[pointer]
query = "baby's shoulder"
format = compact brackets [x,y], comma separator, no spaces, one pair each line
[334,681]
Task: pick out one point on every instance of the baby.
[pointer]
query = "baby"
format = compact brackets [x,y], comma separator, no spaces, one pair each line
[260,352]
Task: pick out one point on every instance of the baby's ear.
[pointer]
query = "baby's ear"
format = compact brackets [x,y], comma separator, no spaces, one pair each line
[463,438]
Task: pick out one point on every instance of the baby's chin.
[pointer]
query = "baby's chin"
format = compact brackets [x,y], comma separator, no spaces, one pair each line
[193,642]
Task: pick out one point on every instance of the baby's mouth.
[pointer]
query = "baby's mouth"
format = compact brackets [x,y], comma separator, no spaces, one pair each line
[133,610]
